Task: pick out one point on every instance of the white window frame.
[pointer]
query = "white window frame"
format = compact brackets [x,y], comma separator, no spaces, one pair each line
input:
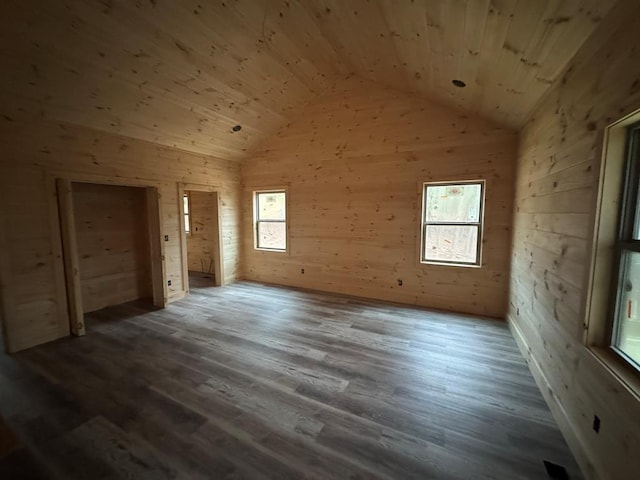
[625,243]
[187,214]
[256,219]
[597,307]
[479,224]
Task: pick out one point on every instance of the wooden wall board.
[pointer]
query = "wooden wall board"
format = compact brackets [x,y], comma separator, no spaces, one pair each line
[36,153]
[34,311]
[182,75]
[111,228]
[354,164]
[556,189]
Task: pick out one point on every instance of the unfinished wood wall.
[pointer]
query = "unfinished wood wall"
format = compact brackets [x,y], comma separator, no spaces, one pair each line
[32,155]
[183,73]
[354,163]
[113,244]
[557,179]
[204,232]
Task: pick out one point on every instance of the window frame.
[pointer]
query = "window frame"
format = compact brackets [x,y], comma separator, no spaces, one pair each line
[257,221]
[479,224]
[187,214]
[602,271]
[624,242]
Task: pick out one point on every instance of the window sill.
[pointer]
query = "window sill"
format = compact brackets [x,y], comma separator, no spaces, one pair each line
[442,264]
[625,373]
[273,250]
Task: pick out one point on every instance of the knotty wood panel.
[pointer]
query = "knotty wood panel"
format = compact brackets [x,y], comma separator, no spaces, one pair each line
[508,52]
[35,308]
[113,245]
[33,155]
[203,240]
[184,74]
[175,74]
[558,167]
[354,163]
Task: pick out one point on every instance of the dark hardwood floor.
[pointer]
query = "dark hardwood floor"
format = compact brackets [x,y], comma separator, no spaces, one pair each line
[255,381]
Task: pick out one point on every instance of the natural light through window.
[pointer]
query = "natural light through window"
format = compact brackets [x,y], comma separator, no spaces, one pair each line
[452,223]
[187,214]
[626,323]
[270,213]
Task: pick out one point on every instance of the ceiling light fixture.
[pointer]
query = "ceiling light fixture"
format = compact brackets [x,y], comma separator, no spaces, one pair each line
[459,83]
[237,128]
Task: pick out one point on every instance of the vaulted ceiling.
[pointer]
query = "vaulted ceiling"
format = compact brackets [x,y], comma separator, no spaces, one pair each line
[183,73]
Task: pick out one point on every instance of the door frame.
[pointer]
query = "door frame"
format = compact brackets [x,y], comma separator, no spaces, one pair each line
[68,236]
[218,257]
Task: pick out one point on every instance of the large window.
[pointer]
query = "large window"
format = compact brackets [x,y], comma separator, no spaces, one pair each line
[452,222]
[270,214]
[625,328]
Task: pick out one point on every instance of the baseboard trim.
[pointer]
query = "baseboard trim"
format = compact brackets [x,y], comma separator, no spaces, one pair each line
[577,447]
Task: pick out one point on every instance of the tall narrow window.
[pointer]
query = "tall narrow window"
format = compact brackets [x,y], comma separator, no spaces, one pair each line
[187,213]
[625,330]
[452,222]
[270,213]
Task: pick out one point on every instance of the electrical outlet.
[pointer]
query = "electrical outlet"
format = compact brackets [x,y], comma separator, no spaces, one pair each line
[302,270]
[166,238]
[169,282]
[596,424]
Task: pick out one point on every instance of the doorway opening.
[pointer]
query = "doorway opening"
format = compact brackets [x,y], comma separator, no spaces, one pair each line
[111,247]
[202,237]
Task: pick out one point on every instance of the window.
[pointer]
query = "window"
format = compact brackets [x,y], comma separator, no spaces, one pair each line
[452,223]
[187,213]
[625,328]
[270,214]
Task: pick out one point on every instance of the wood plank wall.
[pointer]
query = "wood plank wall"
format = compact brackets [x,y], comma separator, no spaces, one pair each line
[558,165]
[113,245]
[204,233]
[32,155]
[354,163]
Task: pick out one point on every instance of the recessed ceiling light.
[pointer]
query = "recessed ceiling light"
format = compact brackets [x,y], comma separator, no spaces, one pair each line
[237,128]
[459,83]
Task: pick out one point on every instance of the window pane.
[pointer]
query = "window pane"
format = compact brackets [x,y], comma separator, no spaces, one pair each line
[636,221]
[272,235]
[271,206]
[627,327]
[187,227]
[185,199]
[453,203]
[451,243]
[634,159]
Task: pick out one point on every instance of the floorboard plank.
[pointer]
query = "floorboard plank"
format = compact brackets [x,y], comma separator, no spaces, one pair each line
[257,381]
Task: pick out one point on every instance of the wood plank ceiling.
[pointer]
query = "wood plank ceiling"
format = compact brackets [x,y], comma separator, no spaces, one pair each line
[184,73]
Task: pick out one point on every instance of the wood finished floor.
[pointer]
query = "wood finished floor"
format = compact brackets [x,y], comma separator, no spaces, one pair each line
[254,381]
